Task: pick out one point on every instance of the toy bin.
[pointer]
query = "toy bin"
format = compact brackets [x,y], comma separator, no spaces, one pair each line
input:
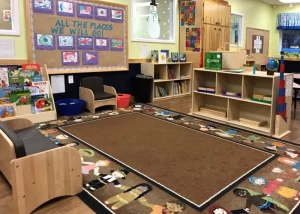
[68,107]
[123,100]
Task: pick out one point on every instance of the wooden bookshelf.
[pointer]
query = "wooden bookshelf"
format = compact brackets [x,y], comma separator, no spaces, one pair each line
[241,111]
[25,111]
[182,76]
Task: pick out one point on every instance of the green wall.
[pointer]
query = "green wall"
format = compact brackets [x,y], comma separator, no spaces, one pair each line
[20,41]
[256,14]
[134,47]
[274,43]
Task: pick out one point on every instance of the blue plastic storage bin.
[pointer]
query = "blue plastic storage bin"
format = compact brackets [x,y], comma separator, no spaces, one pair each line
[68,107]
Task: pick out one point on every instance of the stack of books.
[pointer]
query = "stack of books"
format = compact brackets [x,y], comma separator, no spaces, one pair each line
[207,90]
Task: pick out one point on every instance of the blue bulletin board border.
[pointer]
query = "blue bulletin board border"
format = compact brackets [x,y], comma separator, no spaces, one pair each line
[32,47]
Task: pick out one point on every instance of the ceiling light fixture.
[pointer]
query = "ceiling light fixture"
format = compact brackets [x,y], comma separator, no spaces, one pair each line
[290,1]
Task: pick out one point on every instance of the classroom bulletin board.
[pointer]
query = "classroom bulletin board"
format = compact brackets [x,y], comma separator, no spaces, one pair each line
[74,36]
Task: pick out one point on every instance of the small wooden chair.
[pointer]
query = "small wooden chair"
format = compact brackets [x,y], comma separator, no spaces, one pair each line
[36,168]
[95,94]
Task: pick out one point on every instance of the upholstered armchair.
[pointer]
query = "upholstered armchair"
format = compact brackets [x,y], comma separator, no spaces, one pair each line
[95,94]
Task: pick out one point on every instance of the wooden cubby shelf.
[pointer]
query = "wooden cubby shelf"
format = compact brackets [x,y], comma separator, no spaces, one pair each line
[172,78]
[241,111]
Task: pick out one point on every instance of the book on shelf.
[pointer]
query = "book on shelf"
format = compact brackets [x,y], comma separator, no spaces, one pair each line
[206,89]
[180,88]
[171,74]
[41,103]
[161,91]
[4,81]
[5,91]
[41,87]
[7,110]
[267,98]
[20,96]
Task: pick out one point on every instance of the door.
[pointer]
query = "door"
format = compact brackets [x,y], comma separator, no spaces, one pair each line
[224,15]
[210,38]
[257,40]
[210,12]
[224,41]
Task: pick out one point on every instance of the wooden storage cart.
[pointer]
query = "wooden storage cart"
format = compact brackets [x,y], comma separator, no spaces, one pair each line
[183,75]
[241,111]
[25,111]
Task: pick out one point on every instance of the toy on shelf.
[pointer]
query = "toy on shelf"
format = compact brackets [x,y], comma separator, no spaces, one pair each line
[213,61]
[207,90]
[262,98]
[272,66]
[250,122]
[213,111]
[232,94]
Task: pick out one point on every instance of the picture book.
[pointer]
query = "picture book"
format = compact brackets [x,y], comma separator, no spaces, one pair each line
[14,78]
[7,110]
[41,103]
[4,82]
[154,55]
[5,91]
[182,57]
[162,58]
[167,53]
[174,57]
[34,71]
[41,87]
[34,67]
[20,97]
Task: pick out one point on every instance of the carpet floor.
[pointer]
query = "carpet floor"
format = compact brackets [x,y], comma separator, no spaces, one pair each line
[171,155]
[145,159]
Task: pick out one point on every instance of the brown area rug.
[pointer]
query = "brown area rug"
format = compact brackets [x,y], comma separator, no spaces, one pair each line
[193,165]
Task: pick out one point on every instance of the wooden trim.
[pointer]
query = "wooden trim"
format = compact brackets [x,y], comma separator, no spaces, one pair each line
[251,28]
[7,154]
[137,61]
[41,177]
[28,32]
[13,61]
[86,71]
[18,123]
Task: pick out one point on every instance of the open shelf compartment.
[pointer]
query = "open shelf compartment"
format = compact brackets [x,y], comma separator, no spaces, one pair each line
[173,71]
[229,83]
[160,72]
[248,114]
[186,70]
[181,87]
[204,79]
[210,106]
[257,85]
[167,86]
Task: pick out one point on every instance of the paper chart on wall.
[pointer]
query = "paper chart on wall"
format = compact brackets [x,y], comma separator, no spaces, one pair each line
[58,84]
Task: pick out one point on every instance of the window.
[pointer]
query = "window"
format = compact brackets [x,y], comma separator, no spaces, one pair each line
[236,29]
[290,41]
[150,23]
